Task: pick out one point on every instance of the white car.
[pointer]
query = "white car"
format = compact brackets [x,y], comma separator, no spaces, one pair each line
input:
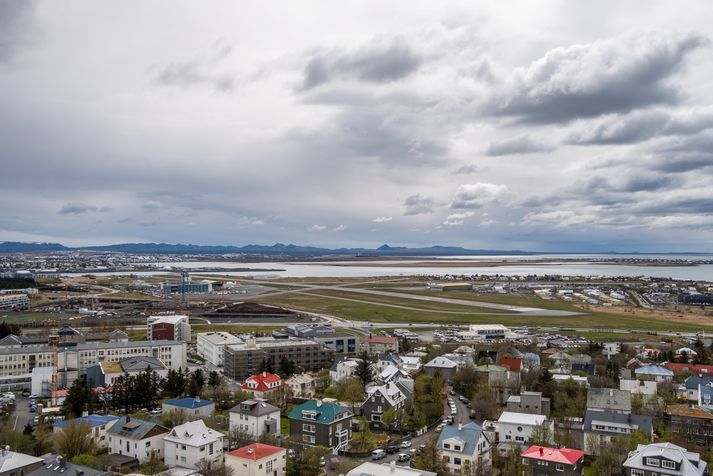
[406,444]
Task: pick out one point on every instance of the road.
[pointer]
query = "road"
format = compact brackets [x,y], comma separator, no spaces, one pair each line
[21,416]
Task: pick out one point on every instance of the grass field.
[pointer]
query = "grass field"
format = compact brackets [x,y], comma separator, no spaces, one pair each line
[27,317]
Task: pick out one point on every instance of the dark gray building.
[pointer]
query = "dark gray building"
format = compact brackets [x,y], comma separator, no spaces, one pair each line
[321,422]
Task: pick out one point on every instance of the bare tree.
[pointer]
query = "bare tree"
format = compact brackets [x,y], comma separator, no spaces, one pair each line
[74,439]
[206,468]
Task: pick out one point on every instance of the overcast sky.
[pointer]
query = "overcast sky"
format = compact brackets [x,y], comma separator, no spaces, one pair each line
[559,125]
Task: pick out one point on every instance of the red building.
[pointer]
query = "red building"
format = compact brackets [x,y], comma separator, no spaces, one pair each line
[554,461]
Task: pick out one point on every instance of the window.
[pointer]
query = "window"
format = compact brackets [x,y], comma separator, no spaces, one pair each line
[456,461]
[668,464]
[456,447]
[637,472]
[308,438]
[307,428]
[447,446]
[559,467]
[652,462]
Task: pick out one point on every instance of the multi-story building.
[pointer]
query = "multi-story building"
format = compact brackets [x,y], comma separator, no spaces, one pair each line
[136,438]
[13,463]
[693,423]
[321,422]
[664,458]
[186,445]
[545,461]
[529,402]
[441,365]
[601,426]
[301,385]
[168,328]
[380,344]
[202,287]
[465,445]
[257,459]
[14,301]
[105,373]
[339,342]
[256,418]
[16,361]
[485,332]
[343,368]
[242,360]
[380,399]
[96,424]
[210,345]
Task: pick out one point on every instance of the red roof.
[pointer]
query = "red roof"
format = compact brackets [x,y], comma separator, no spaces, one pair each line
[381,340]
[561,455]
[690,368]
[512,363]
[256,451]
[265,382]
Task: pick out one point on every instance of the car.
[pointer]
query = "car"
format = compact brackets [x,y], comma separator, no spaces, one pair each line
[422,448]
[391,449]
[33,409]
[25,393]
[34,395]
[322,461]
[452,393]
[440,426]
[412,451]
[291,453]
[378,454]
[404,457]
[406,444]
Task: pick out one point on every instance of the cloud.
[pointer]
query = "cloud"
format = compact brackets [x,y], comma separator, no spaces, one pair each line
[457,219]
[80,208]
[250,221]
[518,145]
[557,218]
[377,62]
[338,228]
[151,205]
[614,75]
[382,219]
[640,126]
[478,194]
[18,27]
[467,169]
[199,70]
[418,205]
[317,228]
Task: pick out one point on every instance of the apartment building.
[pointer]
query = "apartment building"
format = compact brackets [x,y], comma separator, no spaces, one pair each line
[14,301]
[168,328]
[242,360]
[210,345]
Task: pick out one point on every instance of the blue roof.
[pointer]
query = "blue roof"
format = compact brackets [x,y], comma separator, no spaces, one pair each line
[694,381]
[91,420]
[188,402]
[469,434]
[655,370]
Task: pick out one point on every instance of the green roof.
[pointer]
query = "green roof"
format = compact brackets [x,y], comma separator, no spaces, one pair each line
[325,413]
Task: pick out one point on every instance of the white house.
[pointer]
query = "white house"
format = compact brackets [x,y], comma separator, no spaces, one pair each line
[210,345]
[137,438]
[387,469]
[462,443]
[257,459]
[186,445]
[343,369]
[97,425]
[647,388]
[255,417]
[517,428]
[301,385]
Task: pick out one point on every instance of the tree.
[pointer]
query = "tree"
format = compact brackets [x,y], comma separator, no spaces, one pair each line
[7,329]
[466,380]
[352,391]
[214,379]
[238,438]
[364,370]
[154,465]
[267,365]
[16,440]
[306,462]
[90,461]
[175,383]
[205,468]
[430,460]
[541,435]
[42,439]
[74,439]
[80,398]
[287,367]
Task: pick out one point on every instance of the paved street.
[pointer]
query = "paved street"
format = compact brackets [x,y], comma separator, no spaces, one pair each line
[21,416]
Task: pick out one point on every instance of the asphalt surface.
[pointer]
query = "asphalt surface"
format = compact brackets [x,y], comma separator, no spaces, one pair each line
[21,416]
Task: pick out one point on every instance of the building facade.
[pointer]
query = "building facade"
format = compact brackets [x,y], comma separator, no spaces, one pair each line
[257,459]
[168,328]
[465,445]
[186,445]
[255,417]
[136,438]
[321,422]
[210,345]
[544,461]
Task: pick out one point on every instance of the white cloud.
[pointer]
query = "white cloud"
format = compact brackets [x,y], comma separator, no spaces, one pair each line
[479,194]
[382,219]
[338,228]
[316,227]
[457,219]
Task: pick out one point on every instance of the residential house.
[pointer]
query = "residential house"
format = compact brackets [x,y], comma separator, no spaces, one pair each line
[411,364]
[136,438]
[664,459]
[601,426]
[691,388]
[656,373]
[690,369]
[443,366]
[513,364]
[321,422]
[529,402]
[97,425]
[193,408]
[516,428]
[380,399]
[387,469]
[380,344]
[692,423]
[609,399]
[262,384]
[501,381]
[301,385]
[530,361]
[647,388]
[343,369]
[186,445]
[385,360]
[256,418]
[54,464]
[464,445]
[544,461]
[17,464]
[257,459]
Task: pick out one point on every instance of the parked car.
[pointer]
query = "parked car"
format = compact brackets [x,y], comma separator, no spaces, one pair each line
[391,449]
[322,461]
[406,444]
[378,454]
[404,457]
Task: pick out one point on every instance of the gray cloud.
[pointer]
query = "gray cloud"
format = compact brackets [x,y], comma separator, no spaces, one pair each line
[518,145]
[477,195]
[80,208]
[607,76]
[467,169]
[17,27]
[199,71]
[418,205]
[377,62]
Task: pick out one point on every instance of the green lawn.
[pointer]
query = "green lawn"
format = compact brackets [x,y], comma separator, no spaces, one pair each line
[27,317]
[284,425]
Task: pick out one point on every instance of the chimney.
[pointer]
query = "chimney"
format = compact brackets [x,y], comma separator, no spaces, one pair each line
[542,451]
[264,374]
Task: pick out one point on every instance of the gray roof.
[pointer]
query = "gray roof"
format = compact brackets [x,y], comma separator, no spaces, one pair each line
[691,463]
[91,346]
[10,339]
[134,429]
[11,461]
[53,466]
[636,422]
[139,364]
[694,381]
[611,399]
[468,434]
[654,370]
[442,363]
[370,468]
[254,407]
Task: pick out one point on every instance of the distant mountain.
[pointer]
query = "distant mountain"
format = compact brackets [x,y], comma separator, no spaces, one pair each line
[278,249]
[18,247]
